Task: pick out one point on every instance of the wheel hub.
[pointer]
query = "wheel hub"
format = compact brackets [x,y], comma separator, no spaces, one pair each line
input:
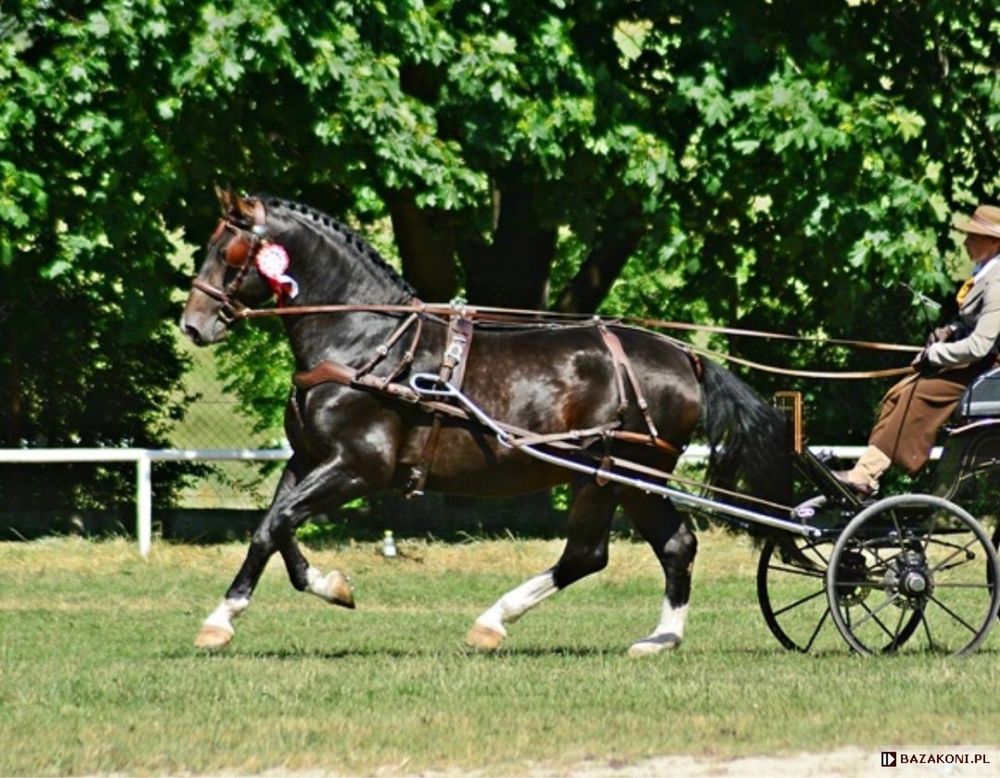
[909,576]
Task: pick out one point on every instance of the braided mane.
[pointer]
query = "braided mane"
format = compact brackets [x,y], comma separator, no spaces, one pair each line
[352,238]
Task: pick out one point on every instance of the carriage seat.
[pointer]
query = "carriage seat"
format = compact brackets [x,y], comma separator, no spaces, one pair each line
[981,399]
[972,441]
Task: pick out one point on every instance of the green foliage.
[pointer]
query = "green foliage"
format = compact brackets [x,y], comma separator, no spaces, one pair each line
[822,155]
[728,162]
[89,357]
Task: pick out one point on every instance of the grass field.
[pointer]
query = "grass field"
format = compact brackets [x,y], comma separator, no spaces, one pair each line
[97,672]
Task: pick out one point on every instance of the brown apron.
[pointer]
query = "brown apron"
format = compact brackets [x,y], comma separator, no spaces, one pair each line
[915,409]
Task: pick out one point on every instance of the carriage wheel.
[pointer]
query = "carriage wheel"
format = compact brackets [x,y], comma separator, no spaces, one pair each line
[791,591]
[791,582]
[913,559]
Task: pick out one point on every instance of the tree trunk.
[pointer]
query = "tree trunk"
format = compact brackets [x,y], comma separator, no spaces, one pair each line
[426,241]
[513,270]
[598,272]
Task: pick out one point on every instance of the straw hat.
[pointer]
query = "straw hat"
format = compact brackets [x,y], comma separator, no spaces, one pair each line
[985,221]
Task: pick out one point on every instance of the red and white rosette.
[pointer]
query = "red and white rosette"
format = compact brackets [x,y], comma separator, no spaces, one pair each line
[272,262]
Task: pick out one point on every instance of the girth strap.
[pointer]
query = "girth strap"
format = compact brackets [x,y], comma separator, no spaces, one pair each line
[456,357]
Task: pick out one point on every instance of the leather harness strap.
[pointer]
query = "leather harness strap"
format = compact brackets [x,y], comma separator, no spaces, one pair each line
[452,371]
[456,357]
[623,370]
[383,350]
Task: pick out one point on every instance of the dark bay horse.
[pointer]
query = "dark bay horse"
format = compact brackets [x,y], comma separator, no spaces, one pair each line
[350,440]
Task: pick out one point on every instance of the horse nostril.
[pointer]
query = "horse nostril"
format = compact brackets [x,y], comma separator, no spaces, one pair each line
[192,332]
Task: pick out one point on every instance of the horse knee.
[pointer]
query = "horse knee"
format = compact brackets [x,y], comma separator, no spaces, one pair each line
[574,566]
[679,552]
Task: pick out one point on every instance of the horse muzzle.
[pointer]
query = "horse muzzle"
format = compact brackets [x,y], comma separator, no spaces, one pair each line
[205,330]
[208,314]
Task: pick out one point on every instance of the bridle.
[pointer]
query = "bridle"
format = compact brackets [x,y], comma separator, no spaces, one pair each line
[241,253]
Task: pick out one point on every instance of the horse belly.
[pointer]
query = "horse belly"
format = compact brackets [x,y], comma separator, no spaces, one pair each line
[474,464]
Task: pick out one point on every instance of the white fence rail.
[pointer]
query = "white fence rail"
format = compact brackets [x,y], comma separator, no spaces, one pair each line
[144,458]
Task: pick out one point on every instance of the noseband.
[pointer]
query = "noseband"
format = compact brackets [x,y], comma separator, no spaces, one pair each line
[241,253]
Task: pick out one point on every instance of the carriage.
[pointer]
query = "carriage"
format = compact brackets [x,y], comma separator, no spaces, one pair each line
[392,392]
[886,571]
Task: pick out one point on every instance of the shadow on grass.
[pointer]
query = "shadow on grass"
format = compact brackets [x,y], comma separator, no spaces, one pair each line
[768,654]
[375,652]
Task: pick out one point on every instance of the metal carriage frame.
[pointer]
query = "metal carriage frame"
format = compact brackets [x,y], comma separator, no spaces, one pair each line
[908,568]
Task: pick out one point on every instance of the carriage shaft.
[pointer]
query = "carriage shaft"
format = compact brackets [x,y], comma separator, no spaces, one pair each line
[680,497]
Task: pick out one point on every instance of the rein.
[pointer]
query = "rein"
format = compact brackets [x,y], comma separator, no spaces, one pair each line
[527,316]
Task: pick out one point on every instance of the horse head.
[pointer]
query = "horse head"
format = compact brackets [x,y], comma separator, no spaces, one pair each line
[238,271]
[245,265]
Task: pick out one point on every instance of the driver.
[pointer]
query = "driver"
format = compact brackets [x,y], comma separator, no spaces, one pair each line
[915,408]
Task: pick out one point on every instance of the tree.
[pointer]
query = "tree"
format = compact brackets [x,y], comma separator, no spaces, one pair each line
[720,161]
[87,302]
[822,155]
[723,162]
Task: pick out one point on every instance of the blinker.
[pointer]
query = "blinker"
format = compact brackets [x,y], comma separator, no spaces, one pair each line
[237,251]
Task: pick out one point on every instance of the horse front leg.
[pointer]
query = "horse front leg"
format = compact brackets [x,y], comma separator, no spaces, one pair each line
[327,486]
[675,547]
[334,587]
[586,552]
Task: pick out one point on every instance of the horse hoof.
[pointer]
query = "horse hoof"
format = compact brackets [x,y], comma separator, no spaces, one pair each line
[654,645]
[337,590]
[212,638]
[483,638]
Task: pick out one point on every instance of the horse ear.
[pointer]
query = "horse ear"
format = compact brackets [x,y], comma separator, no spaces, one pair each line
[234,206]
[228,200]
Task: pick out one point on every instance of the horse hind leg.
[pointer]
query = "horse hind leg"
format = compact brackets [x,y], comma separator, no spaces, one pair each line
[675,546]
[586,552]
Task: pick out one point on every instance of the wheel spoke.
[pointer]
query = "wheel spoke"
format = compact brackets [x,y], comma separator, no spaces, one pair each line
[899,628]
[899,530]
[815,549]
[867,584]
[797,571]
[877,620]
[958,550]
[799,602]
[952,613]
[927,630]
[873,613]
[819,626]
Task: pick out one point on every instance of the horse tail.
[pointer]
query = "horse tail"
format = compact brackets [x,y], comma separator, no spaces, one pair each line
[748,438]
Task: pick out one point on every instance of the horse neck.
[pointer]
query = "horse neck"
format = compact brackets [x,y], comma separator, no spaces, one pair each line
[330,270]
